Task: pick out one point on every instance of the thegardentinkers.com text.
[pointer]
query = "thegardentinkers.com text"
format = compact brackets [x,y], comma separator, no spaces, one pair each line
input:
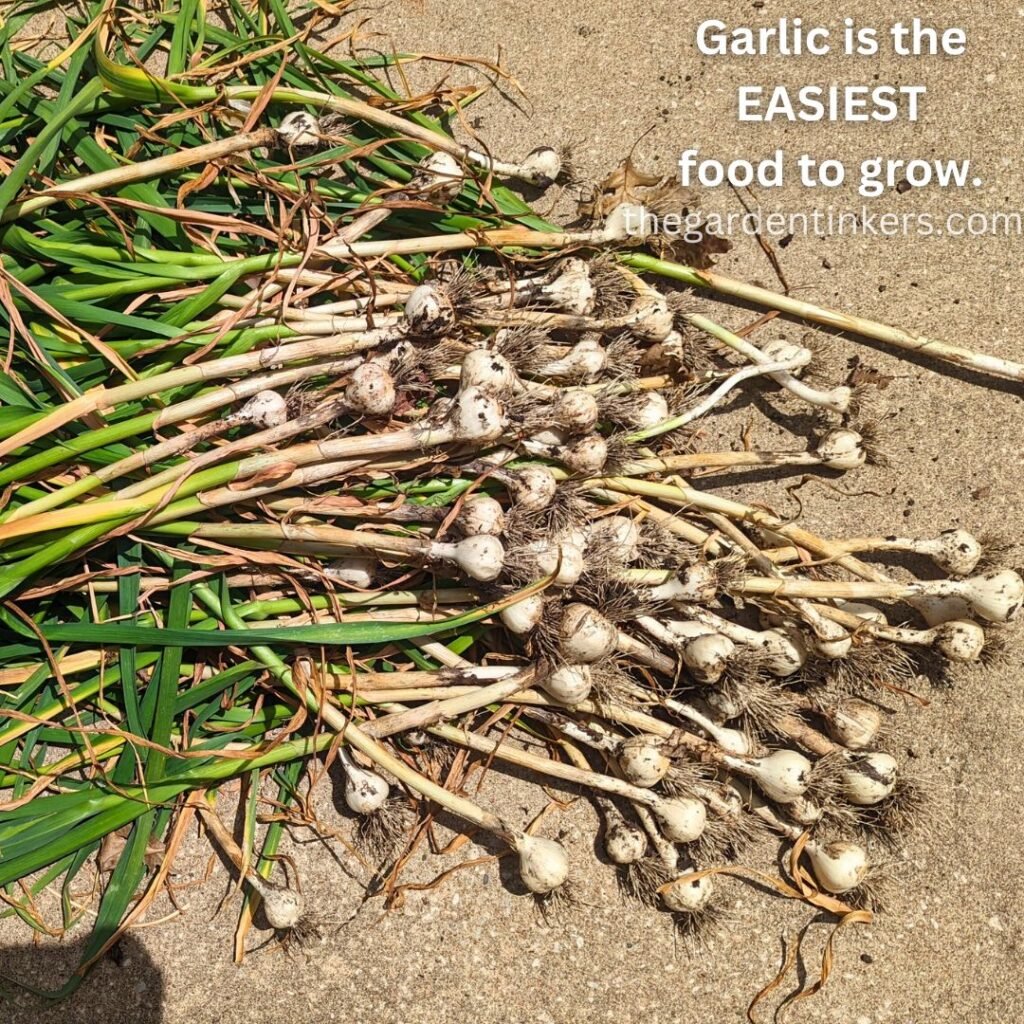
[866,222]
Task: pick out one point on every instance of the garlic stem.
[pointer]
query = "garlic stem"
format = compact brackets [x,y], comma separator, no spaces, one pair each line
[540,167]
[954,551]
[555,769]
[707,404]
[837,400]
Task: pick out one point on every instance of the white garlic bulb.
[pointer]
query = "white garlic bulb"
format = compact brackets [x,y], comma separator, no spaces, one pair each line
[624,843]
[782,775]
[642,761]
[480,557]
[534,488]
[358,571]
[440,176]
[587,456]
[370,391]
[543,863]
[564,558]
[686,895]
[568,684]
[282,907]
[854,723]
[707,656]
[870,778]
[577,411]
[479,514]
[842,449]
[621,534]
[838,866]
[487,370]
[681,818]
[264,410]
[628,221]
[585,635]
[429,310]
[524,616]
[299,130]
[541,167]
[365,790]
[960,641]
[477,416]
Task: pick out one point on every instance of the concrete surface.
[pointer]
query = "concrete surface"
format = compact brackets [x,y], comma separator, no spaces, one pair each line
[950,947]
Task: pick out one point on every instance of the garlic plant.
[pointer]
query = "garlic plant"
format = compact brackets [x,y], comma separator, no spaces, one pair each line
[429,473]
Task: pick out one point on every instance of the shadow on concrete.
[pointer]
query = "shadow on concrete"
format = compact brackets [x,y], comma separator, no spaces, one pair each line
[125,986]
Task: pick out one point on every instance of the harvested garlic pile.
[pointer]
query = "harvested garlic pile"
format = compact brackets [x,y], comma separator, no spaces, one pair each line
[384,469]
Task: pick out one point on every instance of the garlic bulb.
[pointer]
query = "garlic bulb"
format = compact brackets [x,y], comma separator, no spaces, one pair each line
[479,514]
[356,570]
[842,449]
[870,778]
[996,596]
[651,410]
[831,640]
[477,416]
[778,350]
[546,442]
[722,706]
[524,616]
[568,684]
[707,656]
[628,221]
[534,488]
[955,551]
[429,310]
[696,584]
[641,760]
[541,167]
[489,371]
[365,790]
[854,723]
[782,775]
[681,818]
[564,557]
[624,843]
[577,534]
[265,409]
[400,354]
[585,635]
[282,907]
[804,811]
[838,866]
[687,895]
[960,641]
[654,321]
[299,130]
[785,650]
[732,741]
[577,411]
[479,557]
[572,291]
[543,863]
[619,533]
[782,647]
[587,456]
[440,176]
[370,391]
[586,360]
